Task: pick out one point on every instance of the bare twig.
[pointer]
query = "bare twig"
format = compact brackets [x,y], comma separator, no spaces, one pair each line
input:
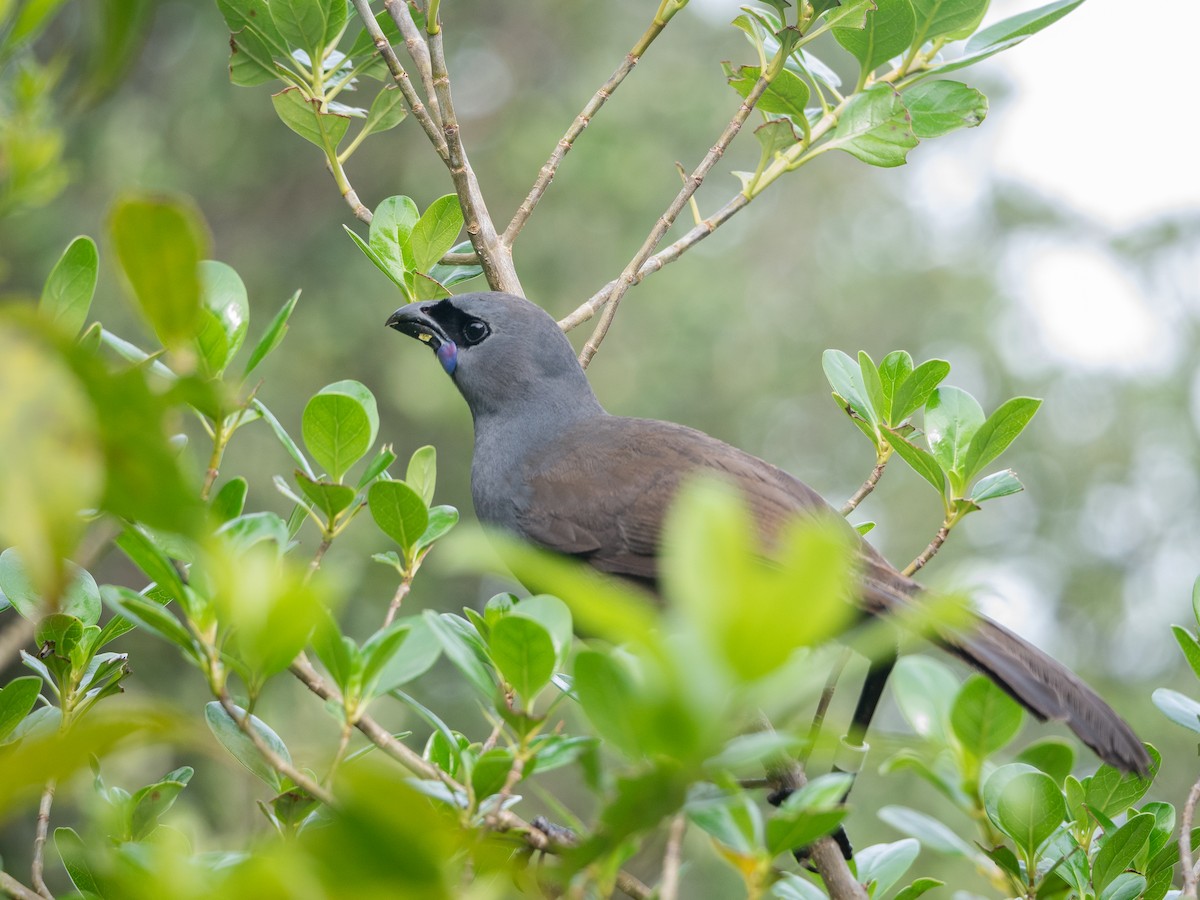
[13,888]
[13,638]
[934,546]
[397,599]
[867,486]
[672,856]
[494,255]
[417,49]
[273,759]
[1185,843]
[315,563]
[633,887]
[400,76]
[347,191]
[547,172]
[669,254]
[668,218]
[460,259]
[41,832]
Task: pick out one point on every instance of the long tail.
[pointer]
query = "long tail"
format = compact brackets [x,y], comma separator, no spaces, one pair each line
[1044,686]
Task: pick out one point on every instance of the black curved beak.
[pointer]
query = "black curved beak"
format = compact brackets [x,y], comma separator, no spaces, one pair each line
[416,322]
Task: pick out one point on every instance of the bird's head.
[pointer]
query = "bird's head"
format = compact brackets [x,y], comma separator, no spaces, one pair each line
[500,350]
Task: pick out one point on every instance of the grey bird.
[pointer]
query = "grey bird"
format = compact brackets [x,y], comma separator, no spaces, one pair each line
[553,467]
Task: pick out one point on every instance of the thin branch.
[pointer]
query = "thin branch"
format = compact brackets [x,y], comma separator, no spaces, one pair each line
[415,106]
[595,303]
[13,888]
[563,147]
[273,759]
[460,259]
[672,857]
[347,191]
[315,563]
[928,553]
[398,598]
[42,831]
[668,218]
[13,638]
[1185,843]
[867,486]
[633,887]
[494,256]
[417,49]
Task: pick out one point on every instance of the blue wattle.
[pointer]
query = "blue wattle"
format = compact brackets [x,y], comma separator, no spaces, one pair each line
[447,354]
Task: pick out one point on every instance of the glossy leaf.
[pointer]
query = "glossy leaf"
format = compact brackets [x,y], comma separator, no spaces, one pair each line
[399,512]
[983,717]
[233,739]
[67,294]
[304,116]
[873,383]
[787,94]
[887,32]
[159,243]
[151,616]
[224,316]
[1120,849]
[441,520]
[339,425]
[998,431]
[436,231]
[390,235]
[952,417]
[1009,32]
[1029,808]
[998,484]
[917,388]
[422,473]
[523,651]
[894,369]
[1178,708]
[1126,886]
[925,691]
[331,499]
[875,128]
[882,865]
[1053,756]
[921,461]
[845,377]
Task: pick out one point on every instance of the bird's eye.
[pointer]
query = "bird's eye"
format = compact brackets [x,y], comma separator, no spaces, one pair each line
[475,331]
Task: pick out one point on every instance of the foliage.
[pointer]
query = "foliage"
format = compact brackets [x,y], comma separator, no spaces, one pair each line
[654,710]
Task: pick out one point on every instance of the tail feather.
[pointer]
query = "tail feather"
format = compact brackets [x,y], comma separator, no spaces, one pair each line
[1041,684]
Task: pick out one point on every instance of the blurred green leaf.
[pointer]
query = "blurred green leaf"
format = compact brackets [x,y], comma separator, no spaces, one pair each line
[378,652]
[304,116]
[17,699]
[160,243]
[1029,808]
[882,865]
[274,333]
[415,656]
[224,316]
[80,598]
[553,615]
[732,819]
[932,834]
[609,696]
[337,653]
[152,617]
[887,32]
[154,800]
[464,648]
[233,739]
[434,234]
[399,512]
[995,434]
[491,771]
[73,853]
[1120,849]
[68,291]
[983,717]
[939,107]
[1053,756]
[339,424]
[524,653]
[875,127]
[230,500]
[155,564]
[925,691]
[918,887]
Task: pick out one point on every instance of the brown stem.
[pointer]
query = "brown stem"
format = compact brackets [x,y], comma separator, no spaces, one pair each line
[13,638]
[1185,843]
[13,888]
[494,255]
[632,887]
[869,485]
[273,759]
[672,857]
[41,832]
[347,191]
[322,549]
[668,218]
[934,546]
[411,97]
[417,49]
[695,235]
[398,598]
[563,147]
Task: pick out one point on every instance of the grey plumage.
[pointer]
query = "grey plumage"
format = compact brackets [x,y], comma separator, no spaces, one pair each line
[553,467]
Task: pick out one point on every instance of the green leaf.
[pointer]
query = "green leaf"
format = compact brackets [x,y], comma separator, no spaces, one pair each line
[954,18]
[151,560]
[154,800]
[1127,886]
[17,700]
[378,652]
[523,651]
[1178,708]
[441,520]
[81,598]
[845,377]
[399,512]
[921,461]
[608,696]
[304,116]
[230,500]
[917,388]
[390,235]
[339,424]
[1007,33]
[917,888]
[1029,809]
[791,830]
[415,656]
[1190,647]
[998,484]
[233,739]
[875,128]
[463,647]
[436,232]
[887,32]
[305,24]
[983,717]
[379,464]
[73,853]
[152,617]
[160,243]
[224,316]
[894,370]
[272,336]
[337,653]
[1053,756]
[925,691]
[451,275]
[329,498]
[67,294]
[932,834]
[786,95]
[882,865]
[251,61]
[284,438]
[1196,600]
[255,16]
[553,615]
[490,772]
[422,473]
[873,383]
[386,112]
[997,432]
[1120,849]
[952,417]
[939,107]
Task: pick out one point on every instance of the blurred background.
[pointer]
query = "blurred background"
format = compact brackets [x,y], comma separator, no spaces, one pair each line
[1054,252]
